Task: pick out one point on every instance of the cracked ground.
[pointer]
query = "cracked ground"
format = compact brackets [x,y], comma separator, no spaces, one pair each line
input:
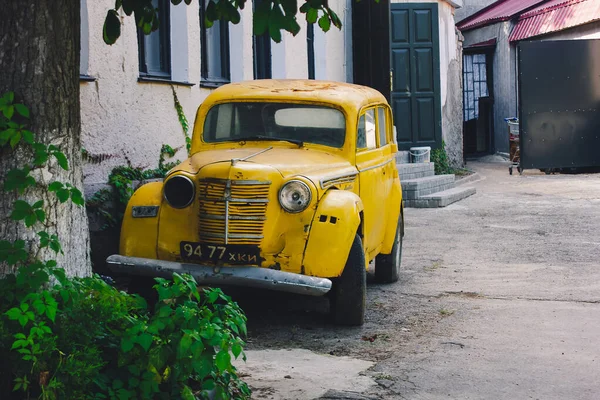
[498,299]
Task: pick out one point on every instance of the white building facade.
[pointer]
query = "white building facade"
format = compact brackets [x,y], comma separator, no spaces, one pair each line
[127,89]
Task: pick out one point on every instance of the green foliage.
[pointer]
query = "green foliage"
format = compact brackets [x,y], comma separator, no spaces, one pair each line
[110,205]
[183,121]
[270,16]
[440,158]
[79,338]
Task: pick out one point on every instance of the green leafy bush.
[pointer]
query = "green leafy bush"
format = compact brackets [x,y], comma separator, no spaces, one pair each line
[80,338]
[440,158]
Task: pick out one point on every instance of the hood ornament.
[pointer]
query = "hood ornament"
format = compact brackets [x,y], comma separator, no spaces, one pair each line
[235,160]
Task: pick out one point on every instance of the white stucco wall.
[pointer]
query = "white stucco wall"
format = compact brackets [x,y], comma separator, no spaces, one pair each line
[126,122]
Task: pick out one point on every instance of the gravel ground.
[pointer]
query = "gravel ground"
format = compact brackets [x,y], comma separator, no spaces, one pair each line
[498,300]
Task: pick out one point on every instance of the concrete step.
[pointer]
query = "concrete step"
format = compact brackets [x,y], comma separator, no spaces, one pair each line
[413,189]
[413,171]
[441,199]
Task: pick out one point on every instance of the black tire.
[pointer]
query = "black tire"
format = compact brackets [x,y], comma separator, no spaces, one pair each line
[349,292]
[387,266]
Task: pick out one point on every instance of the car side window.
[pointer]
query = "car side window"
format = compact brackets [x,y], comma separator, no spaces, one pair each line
[382,126]
[366,132]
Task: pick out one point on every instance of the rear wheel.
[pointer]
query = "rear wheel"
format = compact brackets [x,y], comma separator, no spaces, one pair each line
[387,266]
[349,292]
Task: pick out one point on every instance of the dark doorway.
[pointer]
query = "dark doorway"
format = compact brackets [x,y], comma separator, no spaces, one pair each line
[415,73]
[478,102]
[371,44]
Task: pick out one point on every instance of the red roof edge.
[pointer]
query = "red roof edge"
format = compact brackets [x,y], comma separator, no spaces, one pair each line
[478,13]
[484,23]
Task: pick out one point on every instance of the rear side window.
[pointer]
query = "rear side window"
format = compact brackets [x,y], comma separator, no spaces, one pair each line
[382,126]
[366,132]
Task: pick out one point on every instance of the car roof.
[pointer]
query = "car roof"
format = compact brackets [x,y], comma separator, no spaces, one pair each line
[346,95]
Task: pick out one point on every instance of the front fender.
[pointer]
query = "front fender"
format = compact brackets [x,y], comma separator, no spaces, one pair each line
[332,232]
[139,234]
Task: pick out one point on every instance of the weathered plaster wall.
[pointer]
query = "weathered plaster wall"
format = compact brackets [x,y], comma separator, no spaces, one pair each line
[450,79]
[504,77]
[126,122]
[451,82]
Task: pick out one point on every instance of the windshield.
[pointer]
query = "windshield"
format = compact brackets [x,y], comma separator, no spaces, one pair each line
[298,123]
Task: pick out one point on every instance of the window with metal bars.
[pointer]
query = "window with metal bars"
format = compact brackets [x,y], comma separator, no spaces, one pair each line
[474,84]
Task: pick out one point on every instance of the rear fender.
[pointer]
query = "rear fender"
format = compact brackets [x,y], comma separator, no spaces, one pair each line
[332,232]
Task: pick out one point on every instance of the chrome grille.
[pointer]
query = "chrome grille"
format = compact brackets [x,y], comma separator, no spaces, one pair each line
[232,212]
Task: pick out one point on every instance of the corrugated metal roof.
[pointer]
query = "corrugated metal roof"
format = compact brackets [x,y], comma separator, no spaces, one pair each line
[502,10]
[554,16]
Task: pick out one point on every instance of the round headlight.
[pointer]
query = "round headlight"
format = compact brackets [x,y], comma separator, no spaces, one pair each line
[295,196]
[179,191]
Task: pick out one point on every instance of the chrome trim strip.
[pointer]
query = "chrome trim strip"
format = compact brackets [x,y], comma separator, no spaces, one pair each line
[226,200]
[227,195]
[232,217]
[232,236]
[234,160]
[330,180]
[241,183]
[376,166]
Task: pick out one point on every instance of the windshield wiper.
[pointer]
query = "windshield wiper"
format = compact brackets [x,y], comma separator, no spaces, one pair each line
[297,142]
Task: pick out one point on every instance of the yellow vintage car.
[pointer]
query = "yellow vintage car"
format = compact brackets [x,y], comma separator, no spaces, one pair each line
[292,185]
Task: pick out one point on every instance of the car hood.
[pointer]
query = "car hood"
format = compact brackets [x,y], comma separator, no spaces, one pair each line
[289,162]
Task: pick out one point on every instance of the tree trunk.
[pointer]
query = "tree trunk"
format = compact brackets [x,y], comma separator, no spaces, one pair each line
[39,61]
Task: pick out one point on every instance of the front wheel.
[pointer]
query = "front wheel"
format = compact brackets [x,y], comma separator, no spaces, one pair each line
[387,266]
[349,292]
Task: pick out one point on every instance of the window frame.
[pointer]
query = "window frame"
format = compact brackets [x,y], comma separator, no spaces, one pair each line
[164,30]
[205,79]
[261,52]
[386,127]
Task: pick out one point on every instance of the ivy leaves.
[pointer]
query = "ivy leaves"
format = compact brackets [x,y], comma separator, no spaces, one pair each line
[30,214]
[270,16]
[64,191]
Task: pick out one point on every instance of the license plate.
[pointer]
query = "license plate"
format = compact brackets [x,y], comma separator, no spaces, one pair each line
[234,254]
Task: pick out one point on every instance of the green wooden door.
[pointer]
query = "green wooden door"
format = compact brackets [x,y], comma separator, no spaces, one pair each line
[415,74]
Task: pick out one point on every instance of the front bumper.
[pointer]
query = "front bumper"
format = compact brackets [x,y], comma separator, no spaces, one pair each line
[254,277]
